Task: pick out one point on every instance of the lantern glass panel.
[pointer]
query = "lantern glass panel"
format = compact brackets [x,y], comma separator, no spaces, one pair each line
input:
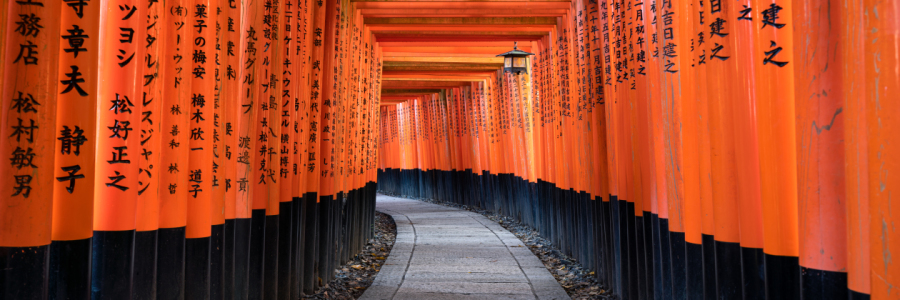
[507,62]
[519,62]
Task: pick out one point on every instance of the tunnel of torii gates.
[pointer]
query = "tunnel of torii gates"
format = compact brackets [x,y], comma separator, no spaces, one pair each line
[230,149]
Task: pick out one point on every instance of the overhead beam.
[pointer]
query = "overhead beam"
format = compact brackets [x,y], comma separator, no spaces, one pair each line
[439,66]
[494,60]
[430,54]
[439,77]
[436,37]
[426,68]
[408,91]
[508,44]
[393,80]
[464,21]
[440,50]
[427,84]
[457,32]
[479,74]
[461,28]
[463,5]
[408,1]
[463,13]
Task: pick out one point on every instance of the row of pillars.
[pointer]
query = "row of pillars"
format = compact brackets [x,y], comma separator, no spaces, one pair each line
[686,149]
[172,149]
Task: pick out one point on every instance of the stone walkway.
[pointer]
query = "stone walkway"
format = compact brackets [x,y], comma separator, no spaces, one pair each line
[447,253]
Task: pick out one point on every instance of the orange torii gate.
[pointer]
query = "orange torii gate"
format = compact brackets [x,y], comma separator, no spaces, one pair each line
[680,148]
[149,173]
[684,150]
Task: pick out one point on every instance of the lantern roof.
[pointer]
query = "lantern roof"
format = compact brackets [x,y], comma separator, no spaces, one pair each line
[516,52]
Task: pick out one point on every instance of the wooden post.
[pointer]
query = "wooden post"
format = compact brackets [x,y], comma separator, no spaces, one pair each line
[149,89]
[230,55]
[73,195]
[117,165]
[29,97]
[882,123]
[175,74]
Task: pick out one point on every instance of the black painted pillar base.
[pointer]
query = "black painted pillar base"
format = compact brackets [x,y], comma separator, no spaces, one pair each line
[309,247]
[709,267]
[296,244]
[145,265]
[695,270]
[112,264]
[284,249]
[170,263]
[270,267]
[217,262]
[679,264]
[668,291]
[782,277]
[242,228]
[821,284]
[256,254]
[24,272]
[196,268]
[70,269]
[728,270]
[650,260]
[228,261]
[753,270]
[324,240]
[854,295]
[657,259]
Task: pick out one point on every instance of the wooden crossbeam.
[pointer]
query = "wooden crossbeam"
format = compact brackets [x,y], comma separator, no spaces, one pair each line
[496,5]
[463,13]
[495,60]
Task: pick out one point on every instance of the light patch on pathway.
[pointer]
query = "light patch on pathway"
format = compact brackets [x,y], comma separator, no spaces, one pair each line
[447,253]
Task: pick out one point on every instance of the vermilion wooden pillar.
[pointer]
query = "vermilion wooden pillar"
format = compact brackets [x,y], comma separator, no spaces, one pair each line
[882,79]
[599,143]
[70,252]
[149,86]
[230,55]
[659,180]
[609,210]
[820,125]
[201,110]
[279,196]
[302,65]
[269,133]
[777,134]
[257,147]
[721,49]
[317,70]
[118,147]
[701,61]
[853,76]
[746,151]
[217,235]
[28,102]
[286,237]
[326,155]
[176,83]
[250,219]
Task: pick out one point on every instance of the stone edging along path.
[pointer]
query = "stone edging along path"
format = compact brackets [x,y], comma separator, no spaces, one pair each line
[447,253]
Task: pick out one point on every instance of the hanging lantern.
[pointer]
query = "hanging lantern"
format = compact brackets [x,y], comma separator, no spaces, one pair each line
[515,61]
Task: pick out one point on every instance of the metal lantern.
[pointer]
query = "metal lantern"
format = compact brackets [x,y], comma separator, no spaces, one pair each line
[516,61]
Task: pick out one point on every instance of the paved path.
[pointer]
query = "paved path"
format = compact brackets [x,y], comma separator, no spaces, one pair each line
[448,253]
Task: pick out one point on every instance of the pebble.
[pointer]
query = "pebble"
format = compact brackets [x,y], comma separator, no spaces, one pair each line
[352,279]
